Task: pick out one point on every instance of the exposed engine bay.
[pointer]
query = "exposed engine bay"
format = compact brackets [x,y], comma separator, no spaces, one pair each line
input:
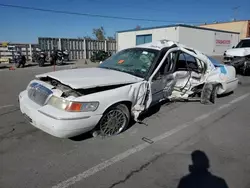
[239,57]
[241,64]
[68,91]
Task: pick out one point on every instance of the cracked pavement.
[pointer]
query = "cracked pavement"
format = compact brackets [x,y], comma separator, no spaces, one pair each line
[30,158]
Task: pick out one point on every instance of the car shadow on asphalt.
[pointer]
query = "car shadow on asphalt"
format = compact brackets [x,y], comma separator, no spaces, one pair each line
[30,65]
[225,95]
[82,137]
[199,175]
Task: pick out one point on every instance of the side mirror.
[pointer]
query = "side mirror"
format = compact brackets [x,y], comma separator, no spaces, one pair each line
[233,47]
[100,62]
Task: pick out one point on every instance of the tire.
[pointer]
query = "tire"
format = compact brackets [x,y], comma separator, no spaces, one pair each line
[23,64]
[214,92]
[40,62]
[93,59]
[52,61]
[18,65]
[59,61]
[245,69]
[107,125]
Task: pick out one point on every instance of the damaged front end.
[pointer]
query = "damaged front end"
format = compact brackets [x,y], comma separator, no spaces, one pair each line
[67,91]
[241,64]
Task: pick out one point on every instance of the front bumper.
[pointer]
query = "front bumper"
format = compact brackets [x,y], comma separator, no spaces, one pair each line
[227,59]
[44,118]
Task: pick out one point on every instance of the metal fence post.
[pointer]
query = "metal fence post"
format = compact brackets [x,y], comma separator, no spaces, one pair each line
[105,45]
[60,44]
[30,48]
[27,52]
[84,49]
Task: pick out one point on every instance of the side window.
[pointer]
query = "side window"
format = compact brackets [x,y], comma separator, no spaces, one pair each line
[186,62]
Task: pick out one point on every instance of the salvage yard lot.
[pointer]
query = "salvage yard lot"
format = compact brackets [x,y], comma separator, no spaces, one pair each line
[153,154]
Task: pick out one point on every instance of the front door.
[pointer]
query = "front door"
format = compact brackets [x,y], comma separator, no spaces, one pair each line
[162,80]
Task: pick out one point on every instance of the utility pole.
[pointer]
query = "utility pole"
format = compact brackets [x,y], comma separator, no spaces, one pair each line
[235,9]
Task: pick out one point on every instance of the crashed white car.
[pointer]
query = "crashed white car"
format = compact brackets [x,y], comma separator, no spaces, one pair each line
[70,102]
[239,56]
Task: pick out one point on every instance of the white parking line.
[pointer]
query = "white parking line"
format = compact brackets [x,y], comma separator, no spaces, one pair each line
[140,147]
[6,106]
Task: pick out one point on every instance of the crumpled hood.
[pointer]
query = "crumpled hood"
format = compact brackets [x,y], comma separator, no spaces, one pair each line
[91,77]
[240,52]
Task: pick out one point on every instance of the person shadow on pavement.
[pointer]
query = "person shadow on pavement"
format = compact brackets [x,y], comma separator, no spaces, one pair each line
[199,176]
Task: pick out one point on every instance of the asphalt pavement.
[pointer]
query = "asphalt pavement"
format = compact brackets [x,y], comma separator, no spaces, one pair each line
[156,153]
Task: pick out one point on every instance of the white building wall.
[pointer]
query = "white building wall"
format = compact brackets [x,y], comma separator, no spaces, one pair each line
[128,39]
[200,39]
[205,40]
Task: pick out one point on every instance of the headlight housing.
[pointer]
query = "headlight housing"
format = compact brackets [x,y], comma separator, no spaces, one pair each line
[72,106]
[31,84]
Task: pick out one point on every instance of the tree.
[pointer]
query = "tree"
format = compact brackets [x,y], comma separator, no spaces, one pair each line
[99,33]
[138,27]
[110,38]
[88,38]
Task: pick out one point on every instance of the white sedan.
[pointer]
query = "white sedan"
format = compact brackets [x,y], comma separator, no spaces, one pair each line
[70,102]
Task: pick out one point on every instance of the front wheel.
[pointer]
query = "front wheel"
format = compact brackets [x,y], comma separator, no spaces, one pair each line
[41,62]
[114,120]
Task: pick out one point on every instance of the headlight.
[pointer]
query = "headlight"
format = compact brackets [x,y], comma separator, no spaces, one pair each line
[72,106]
[31,84]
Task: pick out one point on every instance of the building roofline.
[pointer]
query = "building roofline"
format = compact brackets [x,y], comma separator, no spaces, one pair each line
[225,22]
[177,25]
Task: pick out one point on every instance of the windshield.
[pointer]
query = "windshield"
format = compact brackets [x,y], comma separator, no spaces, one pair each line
[243,44]
[135,61]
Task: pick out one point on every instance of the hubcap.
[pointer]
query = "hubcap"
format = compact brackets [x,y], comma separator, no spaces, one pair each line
[113,122]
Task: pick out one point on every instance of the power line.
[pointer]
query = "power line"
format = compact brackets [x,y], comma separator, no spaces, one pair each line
[91,15]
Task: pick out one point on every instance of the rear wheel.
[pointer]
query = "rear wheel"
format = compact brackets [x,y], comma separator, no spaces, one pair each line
[52,61]
[18,63]
[214,94]
[59,61]
[115,120]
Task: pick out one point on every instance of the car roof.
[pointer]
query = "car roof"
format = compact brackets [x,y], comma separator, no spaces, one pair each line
[157,45]
[160,44]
